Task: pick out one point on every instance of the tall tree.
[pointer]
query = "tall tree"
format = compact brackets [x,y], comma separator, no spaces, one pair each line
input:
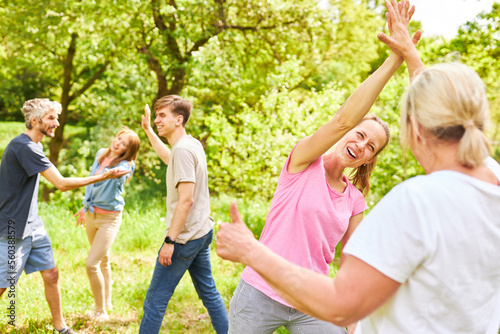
[261,91]
[178,29]
[72,43]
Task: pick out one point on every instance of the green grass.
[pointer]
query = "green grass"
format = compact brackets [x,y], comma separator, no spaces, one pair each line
[133,257]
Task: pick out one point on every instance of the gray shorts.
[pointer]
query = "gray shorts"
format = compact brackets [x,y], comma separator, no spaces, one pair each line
[252,312]
[31,254]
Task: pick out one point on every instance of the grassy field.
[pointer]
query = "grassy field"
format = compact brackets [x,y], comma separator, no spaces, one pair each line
[133,258]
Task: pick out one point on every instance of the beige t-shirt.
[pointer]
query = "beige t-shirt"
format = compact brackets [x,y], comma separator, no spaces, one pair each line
[188,163]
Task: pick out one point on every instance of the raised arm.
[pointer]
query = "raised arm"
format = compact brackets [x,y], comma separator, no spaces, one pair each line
[346,118]
[160,148]
[69,183]
[354,109]
[400,41]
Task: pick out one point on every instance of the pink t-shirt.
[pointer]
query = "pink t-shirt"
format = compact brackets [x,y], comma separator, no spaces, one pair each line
[307,219]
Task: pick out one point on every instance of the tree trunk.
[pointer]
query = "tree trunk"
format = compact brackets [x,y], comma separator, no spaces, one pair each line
[57,142]
[176,86]
[67,96]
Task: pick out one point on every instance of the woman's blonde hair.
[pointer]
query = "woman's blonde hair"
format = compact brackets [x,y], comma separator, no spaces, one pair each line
[360,176]
[449,101]
[130,154]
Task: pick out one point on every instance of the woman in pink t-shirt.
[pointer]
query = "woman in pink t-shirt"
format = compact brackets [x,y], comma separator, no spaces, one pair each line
[315,207]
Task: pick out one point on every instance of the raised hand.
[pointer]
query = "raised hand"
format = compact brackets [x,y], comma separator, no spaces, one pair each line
[398,19]
[234,240]
[400,42]
[146,118]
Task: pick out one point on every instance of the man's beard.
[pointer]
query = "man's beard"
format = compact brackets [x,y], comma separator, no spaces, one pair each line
[46,131]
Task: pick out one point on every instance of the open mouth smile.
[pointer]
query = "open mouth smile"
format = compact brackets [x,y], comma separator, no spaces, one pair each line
[351,153]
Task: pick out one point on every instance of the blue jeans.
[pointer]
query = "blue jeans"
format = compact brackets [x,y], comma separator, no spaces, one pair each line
[193,256]
[252,312]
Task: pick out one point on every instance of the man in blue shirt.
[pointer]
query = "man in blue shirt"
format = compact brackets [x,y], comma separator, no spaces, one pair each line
[24,244]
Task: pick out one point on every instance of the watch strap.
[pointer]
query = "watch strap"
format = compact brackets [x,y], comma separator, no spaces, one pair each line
[169,241]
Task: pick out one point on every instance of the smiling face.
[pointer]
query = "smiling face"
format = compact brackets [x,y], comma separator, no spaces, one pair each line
[120,145]
[167,122]
[361,144]
[48,124]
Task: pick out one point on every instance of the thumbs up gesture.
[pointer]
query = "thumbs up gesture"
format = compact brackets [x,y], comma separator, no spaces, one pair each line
[235,241]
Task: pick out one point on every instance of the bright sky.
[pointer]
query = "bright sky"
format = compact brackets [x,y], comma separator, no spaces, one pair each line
[443,17]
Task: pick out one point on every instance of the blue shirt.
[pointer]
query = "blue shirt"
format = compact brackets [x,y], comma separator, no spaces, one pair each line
[106,194]
[22,161]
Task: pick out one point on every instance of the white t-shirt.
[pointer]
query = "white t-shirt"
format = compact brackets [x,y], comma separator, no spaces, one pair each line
[439,236]
[188,163]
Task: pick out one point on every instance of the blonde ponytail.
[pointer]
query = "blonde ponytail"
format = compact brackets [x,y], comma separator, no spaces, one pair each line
[449,100]
[473,148]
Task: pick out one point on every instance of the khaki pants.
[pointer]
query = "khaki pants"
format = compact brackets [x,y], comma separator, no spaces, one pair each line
[101,232]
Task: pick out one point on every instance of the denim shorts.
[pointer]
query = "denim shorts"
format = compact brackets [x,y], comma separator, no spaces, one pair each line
[31,254]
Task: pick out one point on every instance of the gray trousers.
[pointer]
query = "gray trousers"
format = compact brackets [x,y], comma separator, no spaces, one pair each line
[252,312]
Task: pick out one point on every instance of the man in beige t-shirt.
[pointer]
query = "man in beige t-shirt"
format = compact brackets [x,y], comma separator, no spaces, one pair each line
[189,226]
[188,164]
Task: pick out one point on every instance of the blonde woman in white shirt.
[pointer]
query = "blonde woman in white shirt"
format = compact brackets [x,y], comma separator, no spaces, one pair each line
[425,259]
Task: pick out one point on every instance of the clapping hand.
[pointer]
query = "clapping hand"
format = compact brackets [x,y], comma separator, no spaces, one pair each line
[398,19]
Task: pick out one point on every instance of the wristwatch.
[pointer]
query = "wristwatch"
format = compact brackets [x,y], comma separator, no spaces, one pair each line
[169,241]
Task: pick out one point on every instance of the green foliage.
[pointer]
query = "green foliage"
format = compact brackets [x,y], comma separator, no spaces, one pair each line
[263,136]
[63,52]
[477,45]
[262,75]
[8,131]
[260,82]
